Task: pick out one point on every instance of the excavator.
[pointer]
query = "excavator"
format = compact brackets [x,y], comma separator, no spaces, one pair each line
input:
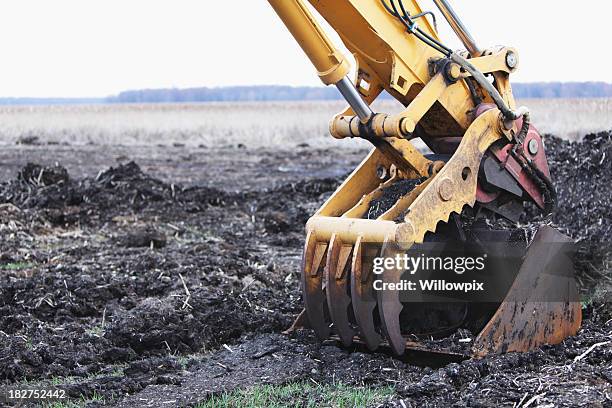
[480,187]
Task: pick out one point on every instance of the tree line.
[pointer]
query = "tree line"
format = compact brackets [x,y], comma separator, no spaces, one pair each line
[288,93]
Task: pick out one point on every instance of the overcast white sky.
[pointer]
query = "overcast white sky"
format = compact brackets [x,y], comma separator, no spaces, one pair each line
[101,47]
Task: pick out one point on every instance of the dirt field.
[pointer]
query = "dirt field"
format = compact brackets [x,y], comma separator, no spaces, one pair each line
[164,275]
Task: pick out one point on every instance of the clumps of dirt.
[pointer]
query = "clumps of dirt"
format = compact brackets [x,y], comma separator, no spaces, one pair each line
[89,201]
[39,176]
[582,174]
[29,140]
[569,374]
[573,373]
[127,190]
[143,238]
[287,208]
[276,222]
[389,196]
[12,220]
[128,183]
[147,269]
[136,376]
[31,348]
[76,320]
[207,317]
[88,304]
[269,359]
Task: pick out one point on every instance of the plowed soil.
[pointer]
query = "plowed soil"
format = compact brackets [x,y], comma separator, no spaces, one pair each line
[168,279]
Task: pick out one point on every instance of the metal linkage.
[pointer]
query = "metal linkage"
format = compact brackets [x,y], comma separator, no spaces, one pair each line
[509,114]
[354,99]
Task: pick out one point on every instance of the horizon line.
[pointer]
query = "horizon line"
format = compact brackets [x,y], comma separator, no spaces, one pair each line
[330,94]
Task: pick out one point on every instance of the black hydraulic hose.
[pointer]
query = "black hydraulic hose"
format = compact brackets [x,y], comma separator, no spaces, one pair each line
[509,114]
[550,188]
[524,128]
[475,97]
[404,13]
[395,12]
[432,43]
[440,47]
[540,179]
[425,13]
[550,192]
[422,34]
[491,90]
[413,28]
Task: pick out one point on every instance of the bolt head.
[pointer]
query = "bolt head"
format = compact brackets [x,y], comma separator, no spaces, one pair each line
[445,189]
[454,71]
[511,60]
[533,147]
[382,172]
[405,235]
[407,126]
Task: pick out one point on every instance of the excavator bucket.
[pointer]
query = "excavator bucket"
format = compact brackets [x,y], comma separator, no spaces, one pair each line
[542,306]
[486,164]
[536,301]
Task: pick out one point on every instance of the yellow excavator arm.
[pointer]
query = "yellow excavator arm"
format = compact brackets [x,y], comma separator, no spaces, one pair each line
[460,104]
[391,58]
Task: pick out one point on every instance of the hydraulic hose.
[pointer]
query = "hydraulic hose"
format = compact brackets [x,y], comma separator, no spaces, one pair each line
[405,18]
[540,179]
[508,113]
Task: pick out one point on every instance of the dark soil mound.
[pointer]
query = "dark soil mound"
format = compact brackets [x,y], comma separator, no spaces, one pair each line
[389,197]
[121,190]
[36,175]
[288,207]
[582,173]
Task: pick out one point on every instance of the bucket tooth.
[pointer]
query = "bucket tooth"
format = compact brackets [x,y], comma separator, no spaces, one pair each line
[389,305]
[312,285]
[363,298]
[337,288]
[542,305]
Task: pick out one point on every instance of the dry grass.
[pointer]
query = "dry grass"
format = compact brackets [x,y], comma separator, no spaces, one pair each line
[571,118]
[282,124]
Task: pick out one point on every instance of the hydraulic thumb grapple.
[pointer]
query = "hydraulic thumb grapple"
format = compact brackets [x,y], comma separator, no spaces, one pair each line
[366,275]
